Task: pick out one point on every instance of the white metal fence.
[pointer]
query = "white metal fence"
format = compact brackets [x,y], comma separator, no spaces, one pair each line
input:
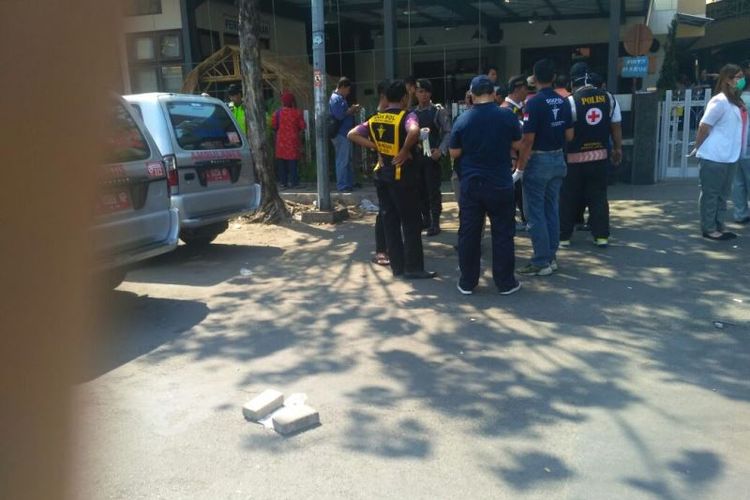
[679,116]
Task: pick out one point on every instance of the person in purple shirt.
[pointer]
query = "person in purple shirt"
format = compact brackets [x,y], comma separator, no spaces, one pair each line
[341,111]
[393,132]
[547,126]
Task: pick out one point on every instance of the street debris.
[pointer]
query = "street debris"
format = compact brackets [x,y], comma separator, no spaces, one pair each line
[718,324]
[368,206]
[246,272]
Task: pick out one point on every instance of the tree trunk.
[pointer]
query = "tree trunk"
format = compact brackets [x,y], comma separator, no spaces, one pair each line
[272,208]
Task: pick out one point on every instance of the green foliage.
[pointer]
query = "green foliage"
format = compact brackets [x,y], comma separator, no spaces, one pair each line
[670,68]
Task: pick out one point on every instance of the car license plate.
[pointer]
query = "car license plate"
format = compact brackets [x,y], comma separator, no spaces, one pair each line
[113,201]
[217,175]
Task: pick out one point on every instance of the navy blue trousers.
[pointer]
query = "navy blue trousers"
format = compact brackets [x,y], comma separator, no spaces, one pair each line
[479,200]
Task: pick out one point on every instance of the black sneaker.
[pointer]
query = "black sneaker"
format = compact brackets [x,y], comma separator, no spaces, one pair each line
[511,289]
[420,275]
[463,292]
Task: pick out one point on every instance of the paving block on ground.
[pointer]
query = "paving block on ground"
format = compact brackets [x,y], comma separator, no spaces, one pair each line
[295,418]
[263,404]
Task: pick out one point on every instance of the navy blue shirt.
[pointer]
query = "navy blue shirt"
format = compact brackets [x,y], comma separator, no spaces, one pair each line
[548,116]
[338,107]
[485,134]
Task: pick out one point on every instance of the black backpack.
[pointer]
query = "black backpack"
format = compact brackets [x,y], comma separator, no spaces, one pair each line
[332,126]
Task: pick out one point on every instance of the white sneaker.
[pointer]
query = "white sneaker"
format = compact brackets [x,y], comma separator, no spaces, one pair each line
[512,289]
[564,243]
[553,265]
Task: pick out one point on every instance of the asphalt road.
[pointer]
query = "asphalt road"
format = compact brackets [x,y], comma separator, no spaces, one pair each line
[607,380]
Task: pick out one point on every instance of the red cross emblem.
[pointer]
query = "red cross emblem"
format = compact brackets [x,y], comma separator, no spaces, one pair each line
[594,116]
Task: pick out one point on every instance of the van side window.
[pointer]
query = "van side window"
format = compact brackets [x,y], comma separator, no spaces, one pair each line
[124,141]
[202,126]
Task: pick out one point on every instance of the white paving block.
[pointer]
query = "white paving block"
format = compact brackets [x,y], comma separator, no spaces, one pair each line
[295,418]
[263,404]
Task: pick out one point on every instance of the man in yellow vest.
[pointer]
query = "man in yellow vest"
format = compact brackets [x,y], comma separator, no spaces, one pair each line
[236,106]
[393,133]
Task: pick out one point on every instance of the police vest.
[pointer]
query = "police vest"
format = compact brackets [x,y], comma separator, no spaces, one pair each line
[515,108]
[388,132]
[592,114]
[427,119]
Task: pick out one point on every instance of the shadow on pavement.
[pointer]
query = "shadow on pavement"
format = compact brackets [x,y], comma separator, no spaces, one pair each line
[136,325]
[509,366]
[201,266]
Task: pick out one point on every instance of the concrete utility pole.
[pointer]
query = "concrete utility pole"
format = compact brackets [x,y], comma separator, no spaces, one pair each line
[614,44]
[321,108]
[389,38]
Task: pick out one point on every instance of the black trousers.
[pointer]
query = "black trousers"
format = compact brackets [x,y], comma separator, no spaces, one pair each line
[430,196]
[380,245]
[399,208]
[479,200]
[585,185]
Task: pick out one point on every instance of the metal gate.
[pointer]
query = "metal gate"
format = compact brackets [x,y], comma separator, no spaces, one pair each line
[679,116]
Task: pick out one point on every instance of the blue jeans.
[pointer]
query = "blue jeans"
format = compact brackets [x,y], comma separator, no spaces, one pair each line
[287,172]
[344,174]
[478,200]
[542,179]
[740,189]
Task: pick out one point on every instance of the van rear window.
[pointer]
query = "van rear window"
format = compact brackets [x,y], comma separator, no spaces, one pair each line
[203,125]
[125,142]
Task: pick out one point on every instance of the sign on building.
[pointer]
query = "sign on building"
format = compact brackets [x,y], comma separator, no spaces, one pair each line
[635,67]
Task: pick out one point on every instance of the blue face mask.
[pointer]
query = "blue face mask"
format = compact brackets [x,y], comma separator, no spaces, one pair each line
[740,85]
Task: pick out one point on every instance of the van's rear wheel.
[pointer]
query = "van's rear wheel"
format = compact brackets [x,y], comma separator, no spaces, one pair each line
[111,278]
[202,236]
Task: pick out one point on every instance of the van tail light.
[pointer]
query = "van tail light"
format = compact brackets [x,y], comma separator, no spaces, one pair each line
[173,180]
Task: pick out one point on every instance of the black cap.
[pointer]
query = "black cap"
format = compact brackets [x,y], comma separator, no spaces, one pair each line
[481,85]
[424,83]
[580,74]
[516,81]
[234,89]
[579,69]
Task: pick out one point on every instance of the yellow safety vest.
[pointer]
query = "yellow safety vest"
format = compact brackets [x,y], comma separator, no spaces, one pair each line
[386,133]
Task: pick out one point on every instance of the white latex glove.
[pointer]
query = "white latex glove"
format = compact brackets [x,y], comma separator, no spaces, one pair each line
[517,176]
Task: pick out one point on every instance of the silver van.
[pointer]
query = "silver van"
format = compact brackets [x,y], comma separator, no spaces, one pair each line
[134,219]
[214,175]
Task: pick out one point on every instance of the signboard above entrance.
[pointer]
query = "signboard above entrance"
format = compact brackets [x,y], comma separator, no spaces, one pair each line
[635,67]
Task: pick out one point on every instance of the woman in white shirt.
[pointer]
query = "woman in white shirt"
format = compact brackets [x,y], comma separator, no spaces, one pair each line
[717,146]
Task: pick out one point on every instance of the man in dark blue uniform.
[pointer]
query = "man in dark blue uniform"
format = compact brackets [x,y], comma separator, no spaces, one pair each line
[482,138]
[515,101]
[436,121]
[597,119]
[547,126]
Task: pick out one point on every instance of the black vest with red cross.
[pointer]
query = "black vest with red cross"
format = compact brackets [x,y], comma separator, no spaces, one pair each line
[388,132]
[593,117]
